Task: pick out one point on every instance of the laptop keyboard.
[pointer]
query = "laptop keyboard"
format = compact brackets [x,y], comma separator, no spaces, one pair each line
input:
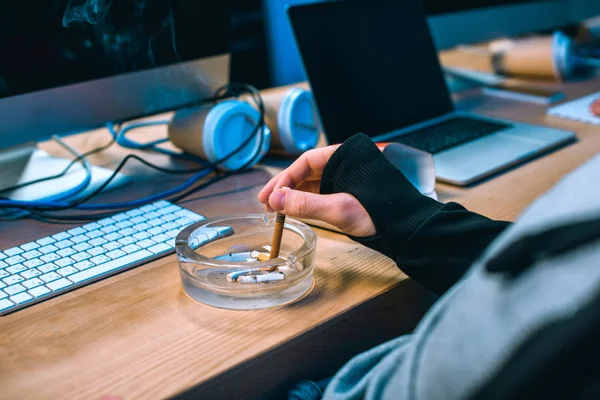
[453,132]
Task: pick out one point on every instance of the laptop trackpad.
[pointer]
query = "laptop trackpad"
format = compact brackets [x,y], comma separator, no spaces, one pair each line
[468,162]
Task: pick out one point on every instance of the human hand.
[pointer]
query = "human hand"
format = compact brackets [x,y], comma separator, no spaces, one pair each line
[296,192]
[595,107]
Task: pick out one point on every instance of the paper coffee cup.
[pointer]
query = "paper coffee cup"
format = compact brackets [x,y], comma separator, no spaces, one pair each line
[546,57]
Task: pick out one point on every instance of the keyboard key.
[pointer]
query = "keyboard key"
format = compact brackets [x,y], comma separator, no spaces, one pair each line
[120,217]
[14,289]
[2,294]
[137,220]
[14,251]
[3,274]
[77,231]
[97,242]
[141,227]
[127,232]
[148,208]
[30,246]
[169,226]
[111,237]
[183,222]
[127,240]
[152,215]
[106,221]
[82,246]
[49,257]
[14,260]
[156,230]
[67,271]
[48,249]
[66,252]
[2,285]
[92,227]
[30,273]
[112,246]
[84,265]
[48,268]
[110,266]
[36,262]
[170,217]
[124,224]
[61,236]
[21,298]
[173,233]
[12,279]
[31,254]
[133,213]
[59,284]
[141,235]
[171,209]
[39,291]
[2,256]
[46,241]
[5,304]
[95,234]
[64,243]
[156,222]
[31,283]
[160,238]
[3,264]
[49,277]
[101,259]
[132,248]
[81,256]
[16,269]
[79,239]
[145,243]
[109,229]
[161,204]
[159,248]
[115,254]
[63,262]
[97,251]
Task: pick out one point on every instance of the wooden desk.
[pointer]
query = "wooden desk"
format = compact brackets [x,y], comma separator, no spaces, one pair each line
[137,335]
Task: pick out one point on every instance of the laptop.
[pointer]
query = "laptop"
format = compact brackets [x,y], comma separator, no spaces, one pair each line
[373,68]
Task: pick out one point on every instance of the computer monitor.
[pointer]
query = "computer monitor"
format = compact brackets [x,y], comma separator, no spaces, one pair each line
[452,22]
[72,65]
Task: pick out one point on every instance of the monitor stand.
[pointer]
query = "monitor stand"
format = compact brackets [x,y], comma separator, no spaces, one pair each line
[27,163]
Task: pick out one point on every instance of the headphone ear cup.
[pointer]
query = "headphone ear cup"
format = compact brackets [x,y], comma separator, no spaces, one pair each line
[215,133]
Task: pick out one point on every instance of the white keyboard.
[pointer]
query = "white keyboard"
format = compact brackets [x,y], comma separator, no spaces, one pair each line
[56,264]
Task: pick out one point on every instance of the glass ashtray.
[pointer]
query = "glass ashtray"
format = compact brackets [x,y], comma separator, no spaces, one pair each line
[224,262]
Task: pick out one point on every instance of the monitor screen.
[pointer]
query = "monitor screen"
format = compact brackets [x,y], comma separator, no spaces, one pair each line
[372,65]
[51,43]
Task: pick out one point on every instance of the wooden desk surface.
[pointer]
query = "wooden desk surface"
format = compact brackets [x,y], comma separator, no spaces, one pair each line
[137,334]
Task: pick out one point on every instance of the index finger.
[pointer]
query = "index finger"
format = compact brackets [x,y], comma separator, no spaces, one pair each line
[308,166]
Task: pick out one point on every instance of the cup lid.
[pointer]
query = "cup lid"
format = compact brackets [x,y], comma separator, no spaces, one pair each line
[297,121]
[227,126]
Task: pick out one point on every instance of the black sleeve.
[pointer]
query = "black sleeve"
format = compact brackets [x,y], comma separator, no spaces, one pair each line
[432,242]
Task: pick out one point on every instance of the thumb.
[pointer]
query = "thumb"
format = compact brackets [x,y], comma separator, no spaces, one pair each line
[341,210]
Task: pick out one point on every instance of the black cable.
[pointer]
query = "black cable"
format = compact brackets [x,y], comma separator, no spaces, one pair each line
[232,89]
[64,172]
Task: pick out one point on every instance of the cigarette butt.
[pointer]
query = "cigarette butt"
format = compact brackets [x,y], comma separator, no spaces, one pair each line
[264,278]
[259,256]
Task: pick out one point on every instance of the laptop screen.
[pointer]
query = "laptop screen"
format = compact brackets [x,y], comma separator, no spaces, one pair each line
[372,65]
